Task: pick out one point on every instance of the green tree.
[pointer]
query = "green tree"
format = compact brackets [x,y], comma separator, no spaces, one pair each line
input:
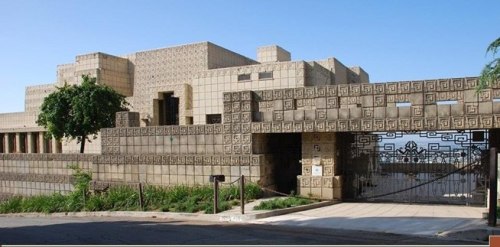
[80,111]
[491,71]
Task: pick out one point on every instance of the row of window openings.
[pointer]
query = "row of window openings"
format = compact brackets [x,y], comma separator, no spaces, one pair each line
[439,102]
[262,76]
[23,145]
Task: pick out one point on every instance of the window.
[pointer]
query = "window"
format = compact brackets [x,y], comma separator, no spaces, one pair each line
[446,102]
[265,75]
[403,104]
[214,119]
[244,77]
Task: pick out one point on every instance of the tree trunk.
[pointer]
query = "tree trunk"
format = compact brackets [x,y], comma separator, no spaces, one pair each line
[82,145]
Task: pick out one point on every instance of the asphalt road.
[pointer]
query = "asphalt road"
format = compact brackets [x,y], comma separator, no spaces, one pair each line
[119,231]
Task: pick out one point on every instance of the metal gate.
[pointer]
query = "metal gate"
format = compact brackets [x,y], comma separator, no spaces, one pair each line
[445,167]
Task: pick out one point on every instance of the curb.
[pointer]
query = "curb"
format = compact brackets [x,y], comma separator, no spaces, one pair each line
[277,212]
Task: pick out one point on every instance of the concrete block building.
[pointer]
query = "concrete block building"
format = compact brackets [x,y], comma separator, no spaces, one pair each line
[179,85]
[318,128]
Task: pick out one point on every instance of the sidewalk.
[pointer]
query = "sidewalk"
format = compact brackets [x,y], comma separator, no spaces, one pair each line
[456,222]
[459,222]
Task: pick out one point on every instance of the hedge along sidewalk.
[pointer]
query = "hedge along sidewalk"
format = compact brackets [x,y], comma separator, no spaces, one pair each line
[233,215]
[179,198]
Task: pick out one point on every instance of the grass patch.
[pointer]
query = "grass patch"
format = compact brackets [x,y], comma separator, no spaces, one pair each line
[279,203]
[124,198]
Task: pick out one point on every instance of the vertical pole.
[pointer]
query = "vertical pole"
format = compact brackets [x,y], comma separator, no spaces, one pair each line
[216,195]
[141,199]
[242,193]
[492,215]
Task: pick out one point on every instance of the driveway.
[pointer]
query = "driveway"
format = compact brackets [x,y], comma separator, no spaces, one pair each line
[423,220]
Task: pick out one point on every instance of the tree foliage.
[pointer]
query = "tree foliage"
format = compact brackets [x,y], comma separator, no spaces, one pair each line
[80,111]
[491,71]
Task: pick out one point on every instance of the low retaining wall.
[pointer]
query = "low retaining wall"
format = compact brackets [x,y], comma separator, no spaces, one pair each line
[35,174]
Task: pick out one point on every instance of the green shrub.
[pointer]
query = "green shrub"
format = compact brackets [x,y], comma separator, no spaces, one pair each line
[279,203]
[121,198]
[252,191]
[95,203]
[12,205]
[178,198]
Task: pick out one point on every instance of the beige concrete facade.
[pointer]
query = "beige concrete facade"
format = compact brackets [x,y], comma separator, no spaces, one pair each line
[200,109]
[197,74]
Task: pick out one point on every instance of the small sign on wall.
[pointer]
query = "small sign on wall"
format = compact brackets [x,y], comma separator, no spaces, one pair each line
[317,170]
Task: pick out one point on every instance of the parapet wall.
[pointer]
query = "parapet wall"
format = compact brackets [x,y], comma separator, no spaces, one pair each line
[444,104]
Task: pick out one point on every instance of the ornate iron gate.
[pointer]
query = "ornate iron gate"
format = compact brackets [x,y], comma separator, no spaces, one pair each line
[426,167]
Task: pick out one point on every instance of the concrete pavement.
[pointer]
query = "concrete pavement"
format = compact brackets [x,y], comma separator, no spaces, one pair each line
[456,222]
[460,222]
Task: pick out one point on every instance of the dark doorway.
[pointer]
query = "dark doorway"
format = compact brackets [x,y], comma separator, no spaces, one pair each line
[284,152]
[168,107]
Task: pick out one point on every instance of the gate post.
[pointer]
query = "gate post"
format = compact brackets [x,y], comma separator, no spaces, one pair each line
[492,214]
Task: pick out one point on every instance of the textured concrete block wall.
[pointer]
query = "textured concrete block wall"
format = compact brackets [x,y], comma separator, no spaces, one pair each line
[35,95]
[319,161]
[35,174]
[72,147]
[209,85]
[442,104]
[175,169]
[166,155]
[19,120]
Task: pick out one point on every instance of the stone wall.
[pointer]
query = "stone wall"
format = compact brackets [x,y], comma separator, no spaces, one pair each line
[35,174]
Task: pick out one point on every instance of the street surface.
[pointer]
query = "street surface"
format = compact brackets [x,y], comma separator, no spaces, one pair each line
[119,231]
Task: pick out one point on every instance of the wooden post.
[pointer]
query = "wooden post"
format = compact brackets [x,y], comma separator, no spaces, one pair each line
[242,193]
[141,199]
[492,215]
[216,195]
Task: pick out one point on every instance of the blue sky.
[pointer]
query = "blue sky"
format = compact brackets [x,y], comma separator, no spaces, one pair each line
[391,40]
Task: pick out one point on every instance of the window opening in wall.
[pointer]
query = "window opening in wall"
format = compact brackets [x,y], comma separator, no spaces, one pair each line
[47,142]
[403,104]
[36,142]
[496,99]
[244,77]
[189,120]
[446,102]
[214,118]
[23,143]
[265,75]
[58,147]
[168,108]
[2,138]
[11,138]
